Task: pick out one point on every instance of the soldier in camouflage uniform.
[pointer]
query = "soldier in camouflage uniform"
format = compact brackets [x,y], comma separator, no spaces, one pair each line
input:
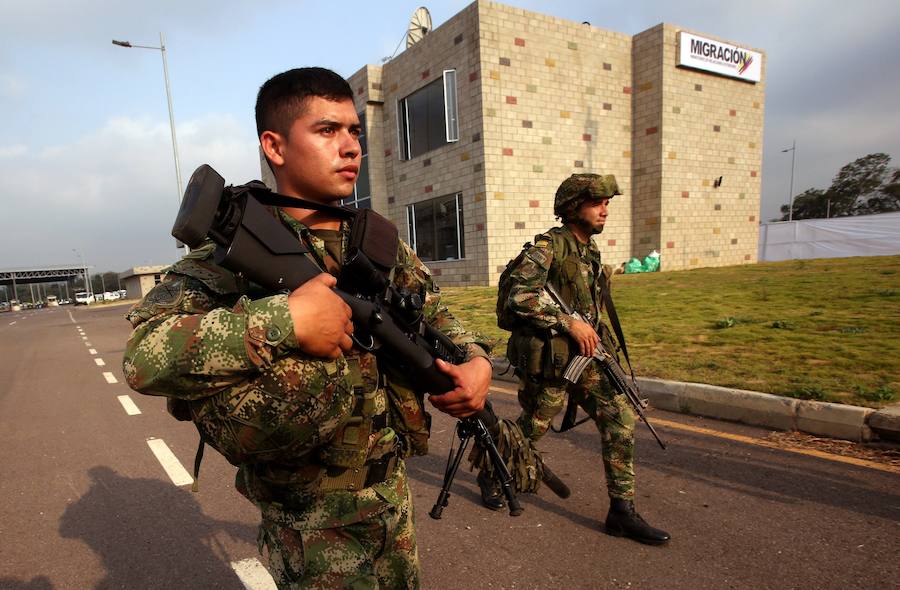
[317,428]
[543,339]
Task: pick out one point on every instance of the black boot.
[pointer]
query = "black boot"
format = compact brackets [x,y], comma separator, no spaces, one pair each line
[491,494]
[623,521]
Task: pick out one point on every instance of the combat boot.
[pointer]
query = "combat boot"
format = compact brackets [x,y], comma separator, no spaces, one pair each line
[623,521]
[491,494]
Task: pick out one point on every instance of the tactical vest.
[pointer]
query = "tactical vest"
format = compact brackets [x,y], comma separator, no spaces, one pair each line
[541,354]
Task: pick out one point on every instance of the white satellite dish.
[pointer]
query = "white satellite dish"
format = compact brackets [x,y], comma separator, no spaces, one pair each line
[419,26]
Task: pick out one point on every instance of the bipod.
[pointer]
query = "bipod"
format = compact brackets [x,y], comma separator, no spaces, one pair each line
[466,428]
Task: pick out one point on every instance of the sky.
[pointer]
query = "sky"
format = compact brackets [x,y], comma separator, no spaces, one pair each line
[86,157]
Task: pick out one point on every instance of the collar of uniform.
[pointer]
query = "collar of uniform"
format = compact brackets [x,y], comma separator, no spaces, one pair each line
[308,237]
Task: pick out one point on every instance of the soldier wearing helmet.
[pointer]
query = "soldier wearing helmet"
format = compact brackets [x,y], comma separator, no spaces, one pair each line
[544,338]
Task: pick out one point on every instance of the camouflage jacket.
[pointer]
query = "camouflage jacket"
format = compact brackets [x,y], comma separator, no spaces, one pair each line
[207,334]
[557,258]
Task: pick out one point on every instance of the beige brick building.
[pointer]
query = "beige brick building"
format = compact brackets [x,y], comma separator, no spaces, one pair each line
[470,131]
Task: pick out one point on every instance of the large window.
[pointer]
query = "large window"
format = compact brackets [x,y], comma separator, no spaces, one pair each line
[436,228]
[362,192]
[428,117]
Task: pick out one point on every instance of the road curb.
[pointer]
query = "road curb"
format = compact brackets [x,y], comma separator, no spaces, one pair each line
[761,409]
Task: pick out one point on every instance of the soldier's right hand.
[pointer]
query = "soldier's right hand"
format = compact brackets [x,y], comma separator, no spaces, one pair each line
[321,319]
[584,336]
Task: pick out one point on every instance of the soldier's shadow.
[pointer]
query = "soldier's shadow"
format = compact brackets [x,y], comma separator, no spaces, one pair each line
[151,534]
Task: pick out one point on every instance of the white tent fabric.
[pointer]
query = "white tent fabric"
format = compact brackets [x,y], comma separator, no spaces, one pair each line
[864,235]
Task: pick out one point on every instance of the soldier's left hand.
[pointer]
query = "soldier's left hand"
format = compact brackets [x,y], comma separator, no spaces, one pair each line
[472,380]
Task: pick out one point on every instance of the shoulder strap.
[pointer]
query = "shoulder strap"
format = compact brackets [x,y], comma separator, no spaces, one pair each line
[614,321]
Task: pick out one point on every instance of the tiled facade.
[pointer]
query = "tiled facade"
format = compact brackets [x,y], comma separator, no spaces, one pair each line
[540,98]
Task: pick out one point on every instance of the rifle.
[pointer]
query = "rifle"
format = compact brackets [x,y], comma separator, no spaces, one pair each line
[609,364]
[387,322]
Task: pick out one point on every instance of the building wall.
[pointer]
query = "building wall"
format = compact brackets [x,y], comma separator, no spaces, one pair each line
[540,98]
[455,167]
[557,101]
[712,127]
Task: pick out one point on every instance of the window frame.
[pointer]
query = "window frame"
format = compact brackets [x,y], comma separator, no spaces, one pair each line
[450,98]
[412,230]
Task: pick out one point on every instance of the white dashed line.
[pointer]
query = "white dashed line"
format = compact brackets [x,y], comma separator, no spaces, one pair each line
[110,378]
[11,323]
[174,469]
[100,362]
[92,351]
[84,337]
[252,574]
[130,407]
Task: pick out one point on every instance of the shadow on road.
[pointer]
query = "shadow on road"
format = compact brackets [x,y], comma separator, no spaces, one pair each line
[150,534]
[767,474]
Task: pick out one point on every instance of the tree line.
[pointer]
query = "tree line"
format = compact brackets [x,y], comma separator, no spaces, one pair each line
[865,186]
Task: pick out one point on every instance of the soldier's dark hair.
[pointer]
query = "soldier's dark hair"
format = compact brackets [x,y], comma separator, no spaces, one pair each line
[283,97]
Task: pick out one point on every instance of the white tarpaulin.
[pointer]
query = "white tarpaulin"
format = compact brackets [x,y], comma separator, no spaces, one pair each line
[863,235]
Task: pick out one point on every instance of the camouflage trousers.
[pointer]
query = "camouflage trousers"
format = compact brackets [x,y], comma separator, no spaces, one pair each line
[378,552]
[542,400]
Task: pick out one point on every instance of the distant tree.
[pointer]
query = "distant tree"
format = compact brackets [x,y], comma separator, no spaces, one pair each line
[810,204]
[858,183]
[862,187]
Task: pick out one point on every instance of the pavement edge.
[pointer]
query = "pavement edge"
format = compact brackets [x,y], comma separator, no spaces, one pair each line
[761,409]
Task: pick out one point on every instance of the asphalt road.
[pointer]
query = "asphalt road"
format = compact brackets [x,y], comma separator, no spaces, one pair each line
[87,503]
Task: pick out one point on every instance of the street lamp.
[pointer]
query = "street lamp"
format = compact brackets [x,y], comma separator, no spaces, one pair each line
[87,282]
[793,150]
[162,50]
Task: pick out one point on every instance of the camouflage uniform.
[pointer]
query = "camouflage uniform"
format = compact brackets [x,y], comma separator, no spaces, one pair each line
[304,432]
[575,269]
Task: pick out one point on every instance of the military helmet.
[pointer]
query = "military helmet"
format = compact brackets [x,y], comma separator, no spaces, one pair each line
[579,187]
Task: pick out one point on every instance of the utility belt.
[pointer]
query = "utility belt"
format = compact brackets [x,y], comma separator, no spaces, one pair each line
[541,354]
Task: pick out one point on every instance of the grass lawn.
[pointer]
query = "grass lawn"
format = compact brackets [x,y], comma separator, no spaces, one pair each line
[825,329]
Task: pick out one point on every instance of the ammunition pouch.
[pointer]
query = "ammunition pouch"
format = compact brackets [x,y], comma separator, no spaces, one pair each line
[539,355]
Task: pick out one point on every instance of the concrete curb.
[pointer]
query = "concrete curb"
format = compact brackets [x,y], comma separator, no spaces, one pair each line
[761,409]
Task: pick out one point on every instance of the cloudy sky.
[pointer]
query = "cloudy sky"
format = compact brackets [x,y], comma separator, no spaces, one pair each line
[85,153]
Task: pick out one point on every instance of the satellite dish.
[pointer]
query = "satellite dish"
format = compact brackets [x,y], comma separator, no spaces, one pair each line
[419,26]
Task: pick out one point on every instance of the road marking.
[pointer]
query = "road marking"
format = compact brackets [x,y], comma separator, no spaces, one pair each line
[130,407]
[11,323]
[100,362]
[772,445]
[110,378]
[176,472]
[92,351]
[252,574]
[757,441]
[88,344]
[84,337]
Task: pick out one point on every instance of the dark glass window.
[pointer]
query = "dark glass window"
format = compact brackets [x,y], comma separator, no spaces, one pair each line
[428,117]
[436,228]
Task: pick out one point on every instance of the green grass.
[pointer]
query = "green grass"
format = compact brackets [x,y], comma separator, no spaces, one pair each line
[822,329]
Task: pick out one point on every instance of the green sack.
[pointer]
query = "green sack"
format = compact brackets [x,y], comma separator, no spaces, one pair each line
[634,265]
[651,263]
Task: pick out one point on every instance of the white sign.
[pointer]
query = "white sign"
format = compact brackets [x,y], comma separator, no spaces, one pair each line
[721,58]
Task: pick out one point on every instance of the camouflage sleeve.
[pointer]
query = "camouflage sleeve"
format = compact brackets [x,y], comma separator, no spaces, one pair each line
[187,339]
[412,274]
[526,296]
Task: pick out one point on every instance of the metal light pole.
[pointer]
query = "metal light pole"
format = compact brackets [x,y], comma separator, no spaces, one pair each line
[162,50]
[793,150]
[87,281]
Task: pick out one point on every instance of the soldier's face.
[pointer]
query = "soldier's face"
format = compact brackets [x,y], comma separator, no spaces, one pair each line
[319,160]
[592,215]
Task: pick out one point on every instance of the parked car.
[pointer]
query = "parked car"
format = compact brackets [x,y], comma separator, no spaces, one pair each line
[84,298]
